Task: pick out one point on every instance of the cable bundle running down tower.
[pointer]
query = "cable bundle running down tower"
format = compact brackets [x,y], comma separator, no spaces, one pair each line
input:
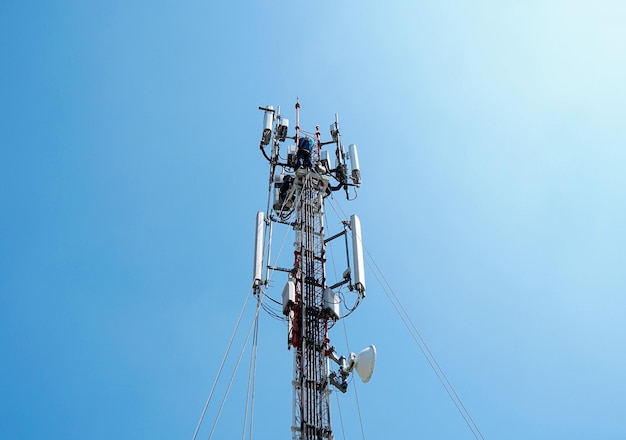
[299,184]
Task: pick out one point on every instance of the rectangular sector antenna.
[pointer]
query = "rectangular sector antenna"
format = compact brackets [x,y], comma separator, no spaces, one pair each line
[357,254]
[258,249]
[354,164]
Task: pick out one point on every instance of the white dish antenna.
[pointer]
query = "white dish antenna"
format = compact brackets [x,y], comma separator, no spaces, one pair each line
[364,363]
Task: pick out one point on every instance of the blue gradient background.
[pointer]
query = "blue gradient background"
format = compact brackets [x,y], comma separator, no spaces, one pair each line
[492,147]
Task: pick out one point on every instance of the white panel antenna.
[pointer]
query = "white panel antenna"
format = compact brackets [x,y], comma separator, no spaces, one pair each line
[334,130]
[289,296]
[354,164]
[282,128]
[258,250]
[278,183]
[357,254]
[268,120]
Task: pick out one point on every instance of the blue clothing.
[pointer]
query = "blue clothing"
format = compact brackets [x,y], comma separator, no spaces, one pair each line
[305,148]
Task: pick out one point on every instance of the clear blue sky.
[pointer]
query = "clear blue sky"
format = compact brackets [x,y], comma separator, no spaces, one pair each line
[492,146]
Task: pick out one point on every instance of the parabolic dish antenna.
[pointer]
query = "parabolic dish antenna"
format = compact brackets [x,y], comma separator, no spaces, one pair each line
[364,363]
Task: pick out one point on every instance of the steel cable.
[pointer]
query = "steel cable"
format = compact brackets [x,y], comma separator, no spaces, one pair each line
[356,395]
[219,371]
[252,376]
[232,376]
[420,342]
[423,347]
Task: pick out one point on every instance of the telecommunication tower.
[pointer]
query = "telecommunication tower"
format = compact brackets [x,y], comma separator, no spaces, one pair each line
[300,180]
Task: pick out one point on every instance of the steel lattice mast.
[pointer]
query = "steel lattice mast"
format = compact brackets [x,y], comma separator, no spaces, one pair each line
[300,184]
[311,397]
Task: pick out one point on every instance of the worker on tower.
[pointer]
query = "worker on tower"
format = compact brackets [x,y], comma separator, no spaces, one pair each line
[305,149]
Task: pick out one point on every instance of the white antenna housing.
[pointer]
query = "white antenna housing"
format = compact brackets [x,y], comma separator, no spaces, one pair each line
[334,130]
[289,296]
[355,170]
[268,120]
[281,128]
[331,303]
[278,183]
[291,155]
[357,254]
[258,250]
[325,159]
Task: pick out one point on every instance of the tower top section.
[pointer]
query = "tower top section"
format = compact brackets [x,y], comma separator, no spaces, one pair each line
[306,149]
